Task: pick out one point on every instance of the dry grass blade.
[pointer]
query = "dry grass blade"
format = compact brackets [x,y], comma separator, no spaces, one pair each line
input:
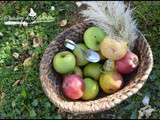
[16,82]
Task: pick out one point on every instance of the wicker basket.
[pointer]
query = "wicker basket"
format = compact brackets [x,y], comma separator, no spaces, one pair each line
[51,80]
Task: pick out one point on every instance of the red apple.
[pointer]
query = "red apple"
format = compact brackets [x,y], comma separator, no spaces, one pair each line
[128,63]
[73,86]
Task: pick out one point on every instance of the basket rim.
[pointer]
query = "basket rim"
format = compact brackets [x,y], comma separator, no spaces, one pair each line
[71,106]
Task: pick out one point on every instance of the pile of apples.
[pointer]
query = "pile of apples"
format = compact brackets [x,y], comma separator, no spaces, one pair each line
[83,80]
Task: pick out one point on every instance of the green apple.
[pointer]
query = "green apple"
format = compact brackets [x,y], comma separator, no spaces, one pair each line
[93,37]
[81,61]
[93,70]
[78,71]
[91,89]
[64,62]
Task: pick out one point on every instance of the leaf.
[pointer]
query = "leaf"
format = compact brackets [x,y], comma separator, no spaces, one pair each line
[15,55]
[35,103]
[31,34]
[57,117]
[52,8]
[1,34]
[78,4]
[16,82]
[130,106]
[27,62]
[2,95]
[13,104]
[15,68]
[23,92]
[25,45]
[153,76]
[18,111]
[32,113]
[37,42]
[145,111]
[139,93]
[47,105]
[63,23]
[134,115]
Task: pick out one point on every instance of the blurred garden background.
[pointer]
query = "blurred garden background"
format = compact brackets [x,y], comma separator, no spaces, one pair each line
[21,49]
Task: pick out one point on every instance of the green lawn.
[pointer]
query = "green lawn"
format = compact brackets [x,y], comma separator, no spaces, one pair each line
[21,94]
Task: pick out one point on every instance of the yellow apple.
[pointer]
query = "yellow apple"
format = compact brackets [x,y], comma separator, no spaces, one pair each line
[111,82]
[113,48]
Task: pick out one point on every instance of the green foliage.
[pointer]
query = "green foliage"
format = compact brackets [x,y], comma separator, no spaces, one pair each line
[26,99]
[5,52]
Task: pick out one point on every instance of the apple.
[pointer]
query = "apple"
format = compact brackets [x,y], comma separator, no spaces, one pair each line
[78,71]
[93,37]
[64,62]
[109,65]
[92,70]
[128,63]
[113,48]
[111,82]
[81,61]
[91,89]
[73,86]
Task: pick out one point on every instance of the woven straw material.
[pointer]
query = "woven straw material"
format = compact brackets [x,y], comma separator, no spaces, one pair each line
[51,81]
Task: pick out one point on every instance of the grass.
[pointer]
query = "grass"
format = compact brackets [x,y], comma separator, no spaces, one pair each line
[25,98]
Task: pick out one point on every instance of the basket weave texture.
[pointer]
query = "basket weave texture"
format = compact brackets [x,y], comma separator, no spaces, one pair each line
[51,81]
